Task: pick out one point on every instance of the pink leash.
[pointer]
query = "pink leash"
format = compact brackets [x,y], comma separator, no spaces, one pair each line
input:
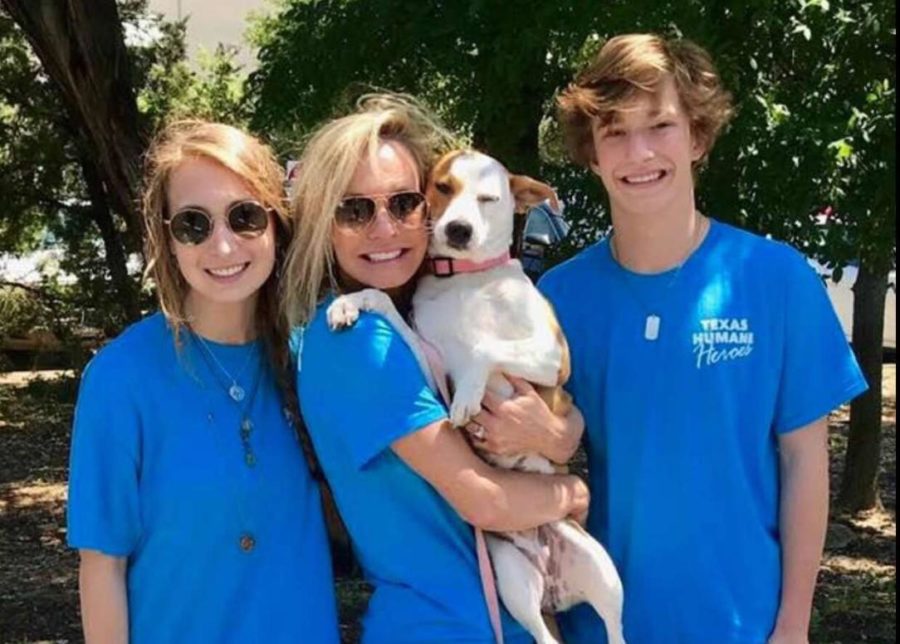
[484,560]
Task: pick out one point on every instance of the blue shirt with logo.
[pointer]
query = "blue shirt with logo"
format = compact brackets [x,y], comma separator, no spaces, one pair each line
[681,431]
[218,548]
[360,390]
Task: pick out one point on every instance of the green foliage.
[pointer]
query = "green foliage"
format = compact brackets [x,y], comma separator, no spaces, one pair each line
[487,69]
[20,312]
[35,171]
[42,167]
[215,92]
[813,82]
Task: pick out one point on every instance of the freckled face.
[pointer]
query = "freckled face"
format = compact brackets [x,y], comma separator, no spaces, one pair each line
[225,268]
[644,156]
[386,254]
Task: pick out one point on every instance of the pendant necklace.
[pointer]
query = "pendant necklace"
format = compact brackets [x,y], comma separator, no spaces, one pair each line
[235,391]
[237,394]
[653,320]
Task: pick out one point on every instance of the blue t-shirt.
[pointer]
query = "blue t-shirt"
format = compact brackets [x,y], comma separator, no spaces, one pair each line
[681,431]
[218,550]
[360,390]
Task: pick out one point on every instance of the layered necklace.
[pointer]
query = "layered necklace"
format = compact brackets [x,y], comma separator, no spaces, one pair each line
[653,319]
[235,392]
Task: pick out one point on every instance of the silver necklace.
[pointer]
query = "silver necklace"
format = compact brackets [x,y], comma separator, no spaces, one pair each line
[245,428]
[653,321]
[246,539]
[235,391]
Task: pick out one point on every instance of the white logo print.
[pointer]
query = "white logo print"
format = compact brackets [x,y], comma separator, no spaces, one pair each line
[721,340]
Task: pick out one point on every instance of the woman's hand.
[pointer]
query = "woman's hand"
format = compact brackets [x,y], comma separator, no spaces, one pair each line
[524,423]
[581,499]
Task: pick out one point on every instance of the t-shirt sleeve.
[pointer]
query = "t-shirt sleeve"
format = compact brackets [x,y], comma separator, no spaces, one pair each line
[364,384]
[819,370]
[103,505]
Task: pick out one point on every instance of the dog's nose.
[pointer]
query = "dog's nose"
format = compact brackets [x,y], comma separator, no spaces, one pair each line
[458,234]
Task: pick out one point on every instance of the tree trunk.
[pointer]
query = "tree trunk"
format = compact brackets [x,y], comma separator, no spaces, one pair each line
[116,257]
[81,46]
[859,487]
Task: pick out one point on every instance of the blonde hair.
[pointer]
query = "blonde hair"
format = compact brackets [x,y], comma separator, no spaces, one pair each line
[255,164]
[629,64]
[326,167]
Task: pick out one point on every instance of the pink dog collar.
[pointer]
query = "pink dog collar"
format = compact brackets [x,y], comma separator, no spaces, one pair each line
[448,266]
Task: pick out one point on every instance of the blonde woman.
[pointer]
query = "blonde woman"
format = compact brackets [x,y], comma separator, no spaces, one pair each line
[189,498]
[407,484]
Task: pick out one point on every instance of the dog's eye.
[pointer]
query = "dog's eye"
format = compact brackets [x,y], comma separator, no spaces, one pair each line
[488,198]
[443,188]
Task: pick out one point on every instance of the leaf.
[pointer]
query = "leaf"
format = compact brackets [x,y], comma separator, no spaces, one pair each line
[801,28]
[843,149]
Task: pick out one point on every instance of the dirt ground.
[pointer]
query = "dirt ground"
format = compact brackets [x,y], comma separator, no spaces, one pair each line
[855,601]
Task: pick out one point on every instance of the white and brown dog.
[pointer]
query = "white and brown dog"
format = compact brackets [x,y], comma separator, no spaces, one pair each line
[482,313]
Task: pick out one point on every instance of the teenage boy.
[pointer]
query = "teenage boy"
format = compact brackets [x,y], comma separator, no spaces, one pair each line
[705,360]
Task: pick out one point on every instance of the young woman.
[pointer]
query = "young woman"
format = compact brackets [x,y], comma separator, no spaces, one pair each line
[407,484]
[189,497]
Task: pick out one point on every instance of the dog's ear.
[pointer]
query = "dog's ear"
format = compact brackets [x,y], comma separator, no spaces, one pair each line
[530,192]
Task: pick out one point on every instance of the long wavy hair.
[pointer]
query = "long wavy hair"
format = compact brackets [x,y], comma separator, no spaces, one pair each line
[326,167]
[255,164]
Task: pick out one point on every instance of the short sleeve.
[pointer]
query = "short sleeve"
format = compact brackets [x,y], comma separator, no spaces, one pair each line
[819,369]
[365,385]
[103,504]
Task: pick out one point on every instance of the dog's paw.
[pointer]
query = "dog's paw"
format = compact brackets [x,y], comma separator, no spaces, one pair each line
[466,403]
[371,299]
[342,313]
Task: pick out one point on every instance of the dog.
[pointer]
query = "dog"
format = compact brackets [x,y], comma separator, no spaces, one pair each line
[482,313]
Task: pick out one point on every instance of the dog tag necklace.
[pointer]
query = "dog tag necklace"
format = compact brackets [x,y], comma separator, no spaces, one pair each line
[653,321]
[235,391]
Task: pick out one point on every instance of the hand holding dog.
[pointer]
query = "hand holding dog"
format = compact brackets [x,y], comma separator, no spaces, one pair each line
[525,424]
[581,499]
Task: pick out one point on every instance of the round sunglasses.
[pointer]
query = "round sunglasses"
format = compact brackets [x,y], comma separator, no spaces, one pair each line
[192,226]
[357,213]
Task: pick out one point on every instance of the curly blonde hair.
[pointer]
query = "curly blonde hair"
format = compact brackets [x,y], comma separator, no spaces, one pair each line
[326,167]
[629,64]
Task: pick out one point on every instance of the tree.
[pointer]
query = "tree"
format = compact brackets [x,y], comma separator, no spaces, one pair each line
[50,176]
[82,50]
[488,70]
[813,81]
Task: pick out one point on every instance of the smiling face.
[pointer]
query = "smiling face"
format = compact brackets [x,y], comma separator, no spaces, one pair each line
[225,269]
[644,155]
[386,254]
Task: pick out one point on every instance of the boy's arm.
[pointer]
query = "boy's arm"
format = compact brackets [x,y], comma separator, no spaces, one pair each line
[104,601]
[803,456]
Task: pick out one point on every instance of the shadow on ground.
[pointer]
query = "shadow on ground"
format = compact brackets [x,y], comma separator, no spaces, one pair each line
[855,601]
